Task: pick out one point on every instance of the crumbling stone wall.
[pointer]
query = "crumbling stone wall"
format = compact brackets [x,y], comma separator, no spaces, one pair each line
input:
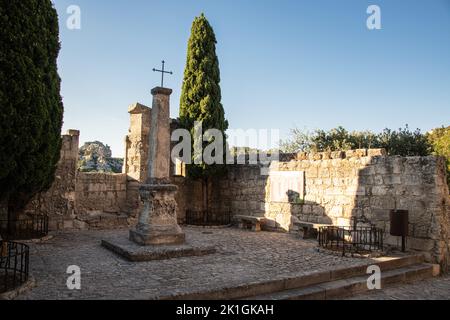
[76,197]
[59,201]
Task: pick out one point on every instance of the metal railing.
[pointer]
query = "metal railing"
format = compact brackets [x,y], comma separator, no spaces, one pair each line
[206,218]
[14,265]
[32,227]
[351,239]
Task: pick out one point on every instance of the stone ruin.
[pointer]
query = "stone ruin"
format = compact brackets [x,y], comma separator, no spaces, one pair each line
[333,188]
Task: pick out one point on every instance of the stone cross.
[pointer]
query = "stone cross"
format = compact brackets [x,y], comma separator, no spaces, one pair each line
[157,223]
[162,73]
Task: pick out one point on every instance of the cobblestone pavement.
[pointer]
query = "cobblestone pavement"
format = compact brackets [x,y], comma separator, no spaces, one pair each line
[430,289]
[242,257]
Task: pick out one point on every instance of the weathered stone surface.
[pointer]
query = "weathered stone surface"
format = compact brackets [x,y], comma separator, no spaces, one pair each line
[157,224]
[59,202]
[136,142]
[242,257]
[100,192]
[338,189]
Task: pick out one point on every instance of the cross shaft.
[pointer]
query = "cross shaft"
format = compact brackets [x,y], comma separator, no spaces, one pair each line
[162,73]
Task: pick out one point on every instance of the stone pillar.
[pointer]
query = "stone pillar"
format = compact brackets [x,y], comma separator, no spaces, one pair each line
[159,145]
[157,223]
[136,161]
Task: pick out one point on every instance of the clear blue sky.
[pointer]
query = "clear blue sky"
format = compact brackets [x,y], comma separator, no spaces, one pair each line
[308,64]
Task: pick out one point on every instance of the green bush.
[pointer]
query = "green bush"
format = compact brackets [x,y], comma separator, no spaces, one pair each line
[403,142]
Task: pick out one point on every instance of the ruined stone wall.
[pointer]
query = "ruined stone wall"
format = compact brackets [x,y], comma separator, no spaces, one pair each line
[59,201]
[76,199]
[341,185]
[136,143]
[97,193]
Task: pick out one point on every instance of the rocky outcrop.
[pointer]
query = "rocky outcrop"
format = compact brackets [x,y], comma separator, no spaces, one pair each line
[97,157]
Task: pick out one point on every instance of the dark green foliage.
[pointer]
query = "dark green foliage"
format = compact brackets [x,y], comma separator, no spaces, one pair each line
[201,94]
[31,105]
[402,142]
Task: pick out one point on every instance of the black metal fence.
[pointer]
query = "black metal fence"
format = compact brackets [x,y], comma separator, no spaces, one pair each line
[32,227]
[351,239]
[206,218]
[14,265]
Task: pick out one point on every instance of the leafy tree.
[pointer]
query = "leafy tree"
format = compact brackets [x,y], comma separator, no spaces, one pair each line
[201,94]
[30,101]
[440,140]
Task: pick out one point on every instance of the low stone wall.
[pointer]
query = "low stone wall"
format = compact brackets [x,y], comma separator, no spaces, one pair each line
[339,186]
[100,193]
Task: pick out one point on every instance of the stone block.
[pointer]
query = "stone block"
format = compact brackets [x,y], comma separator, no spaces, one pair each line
[380,190]
[376,152]
[318,210]
[302,156]
[361,153]
[392,179]
[411,180]
[326,155]
[338,155]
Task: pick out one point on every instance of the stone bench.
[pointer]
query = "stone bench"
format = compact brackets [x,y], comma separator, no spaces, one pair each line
[250,222]
[310,229]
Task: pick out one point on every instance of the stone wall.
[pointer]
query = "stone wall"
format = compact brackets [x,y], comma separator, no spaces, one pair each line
[189,196]
[100,193]
[328,187]
[59,201]
[76,198]
[341,185]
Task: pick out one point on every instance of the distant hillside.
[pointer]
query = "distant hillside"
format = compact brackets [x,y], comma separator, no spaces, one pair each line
[97,157]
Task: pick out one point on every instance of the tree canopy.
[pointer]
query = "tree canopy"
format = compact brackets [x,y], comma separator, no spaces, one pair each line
[31,105]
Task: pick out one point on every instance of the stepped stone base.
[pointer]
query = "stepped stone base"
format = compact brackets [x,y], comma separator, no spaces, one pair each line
[146,239]
[137,253]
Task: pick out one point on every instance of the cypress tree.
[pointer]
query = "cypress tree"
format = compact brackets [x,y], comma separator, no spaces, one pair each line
[31,105]
[201,94]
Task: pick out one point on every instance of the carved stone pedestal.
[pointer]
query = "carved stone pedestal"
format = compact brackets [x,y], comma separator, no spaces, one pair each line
[158,219]
[157,235]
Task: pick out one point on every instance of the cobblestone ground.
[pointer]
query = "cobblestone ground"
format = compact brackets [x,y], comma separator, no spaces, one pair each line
[430,289]
[242,257]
